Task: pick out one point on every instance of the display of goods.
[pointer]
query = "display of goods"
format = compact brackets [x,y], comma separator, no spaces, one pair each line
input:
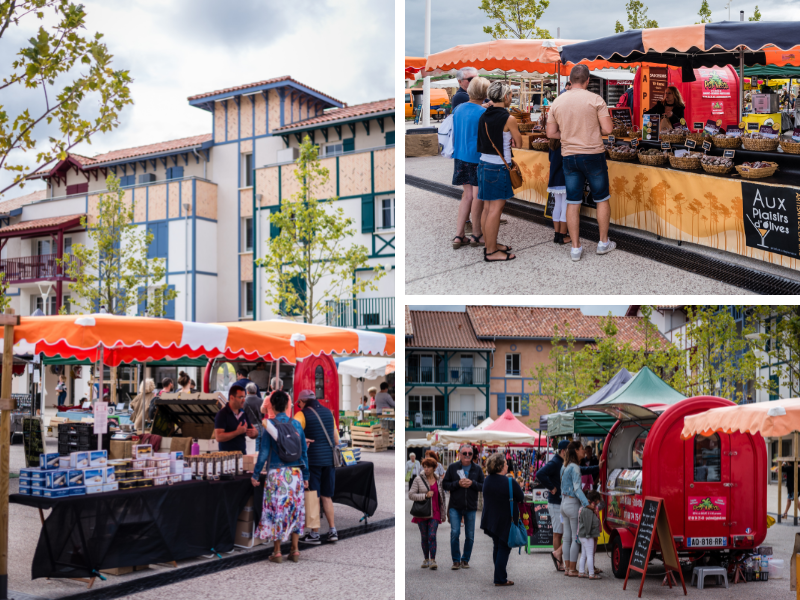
[216,465]
[723,141]
[757,142]
[790,146]
[698,136]
[653,157]
[619,131]
[716,164]
[674,136]
[691,160]
[757,169]
[521,115]
[525,127]
[541,144]
[621,152]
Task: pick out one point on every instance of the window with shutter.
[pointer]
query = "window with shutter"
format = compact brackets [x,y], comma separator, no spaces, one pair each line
[367,214]
[169,308]
[349,145]
[142,301]
[159,246]
[390,138]
[501,404]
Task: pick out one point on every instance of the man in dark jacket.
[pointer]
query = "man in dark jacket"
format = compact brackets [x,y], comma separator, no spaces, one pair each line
[463,504]
[550,476]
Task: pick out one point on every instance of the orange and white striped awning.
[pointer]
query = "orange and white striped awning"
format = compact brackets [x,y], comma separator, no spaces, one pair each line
[143,339]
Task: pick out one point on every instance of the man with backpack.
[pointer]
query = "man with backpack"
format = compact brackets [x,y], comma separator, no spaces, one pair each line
[320,430]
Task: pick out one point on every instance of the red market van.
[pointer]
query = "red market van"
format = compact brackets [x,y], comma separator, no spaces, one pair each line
[714,488]
[713,96]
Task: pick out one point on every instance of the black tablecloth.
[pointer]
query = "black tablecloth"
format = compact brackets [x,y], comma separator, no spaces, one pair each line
[355,487]
[85,534]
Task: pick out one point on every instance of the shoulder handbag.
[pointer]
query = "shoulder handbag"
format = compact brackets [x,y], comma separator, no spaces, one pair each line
[517,535]
[513,172]
[422,508]
[338,459]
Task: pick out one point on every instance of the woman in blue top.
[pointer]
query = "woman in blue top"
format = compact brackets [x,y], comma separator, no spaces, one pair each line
[465,163]
[284,512]
[572,498]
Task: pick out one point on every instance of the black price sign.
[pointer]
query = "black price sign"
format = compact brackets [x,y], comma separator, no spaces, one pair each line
[752,127]
[728,153]
[706,146]
[698,126]
[544,532]
[665,146]
[611,140]
[691,143]
[635,143]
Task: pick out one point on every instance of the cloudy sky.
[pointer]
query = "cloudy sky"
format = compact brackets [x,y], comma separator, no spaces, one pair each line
[587,309]
[462,22]
[178,48]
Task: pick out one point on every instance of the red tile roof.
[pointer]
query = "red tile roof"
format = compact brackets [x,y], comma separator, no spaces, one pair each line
[539,322]
[156,148]
[409,324]
[440,329]
[341,114]
[39,224]
[258,84]
[14,203]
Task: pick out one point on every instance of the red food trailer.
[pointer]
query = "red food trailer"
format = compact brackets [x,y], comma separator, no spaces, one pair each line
[714,488]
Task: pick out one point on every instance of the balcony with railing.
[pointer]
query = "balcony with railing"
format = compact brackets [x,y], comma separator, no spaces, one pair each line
[446,376]
[42,267]
[440,419]
[361,313]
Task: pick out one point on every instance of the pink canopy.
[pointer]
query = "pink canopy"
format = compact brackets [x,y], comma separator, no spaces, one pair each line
[508,423]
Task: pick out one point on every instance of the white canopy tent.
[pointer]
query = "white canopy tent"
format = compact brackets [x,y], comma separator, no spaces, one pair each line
[366,367]
[482,436]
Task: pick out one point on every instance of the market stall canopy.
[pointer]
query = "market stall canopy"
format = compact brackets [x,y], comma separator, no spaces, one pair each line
[365,367]
[543,425]
[775,418]
[614,384]
[506,430]
[414,65]
[588,423]
[445,83]
[485,423]
[418,443]
[693,46]
[772,71]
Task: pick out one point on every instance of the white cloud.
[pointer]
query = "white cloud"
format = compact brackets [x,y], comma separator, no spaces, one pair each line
[179,48]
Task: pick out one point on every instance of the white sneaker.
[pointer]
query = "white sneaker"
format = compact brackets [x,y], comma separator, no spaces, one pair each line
[606,248]
[576,253]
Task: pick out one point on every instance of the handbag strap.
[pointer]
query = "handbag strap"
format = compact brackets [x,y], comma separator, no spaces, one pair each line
[322,425]
[511,499]
[485,124]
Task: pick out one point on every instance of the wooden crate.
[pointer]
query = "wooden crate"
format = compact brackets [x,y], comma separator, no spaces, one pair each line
[368,446]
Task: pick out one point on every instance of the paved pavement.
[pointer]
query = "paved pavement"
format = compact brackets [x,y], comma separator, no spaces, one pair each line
[535,577]
[331,570]
[541,267]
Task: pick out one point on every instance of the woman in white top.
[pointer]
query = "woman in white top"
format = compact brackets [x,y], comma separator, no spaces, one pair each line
[497,131]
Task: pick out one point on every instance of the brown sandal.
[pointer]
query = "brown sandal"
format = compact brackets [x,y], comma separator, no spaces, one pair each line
[595,576]
[276,558]
[294,556]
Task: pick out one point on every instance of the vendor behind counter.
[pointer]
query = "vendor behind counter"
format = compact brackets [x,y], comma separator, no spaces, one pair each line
[672,108]
[232,425]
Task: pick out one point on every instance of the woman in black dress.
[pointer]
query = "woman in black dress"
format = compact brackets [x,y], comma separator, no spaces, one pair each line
[496,517]
[672,109]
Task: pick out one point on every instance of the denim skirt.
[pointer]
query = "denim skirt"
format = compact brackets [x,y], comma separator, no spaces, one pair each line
[494,182]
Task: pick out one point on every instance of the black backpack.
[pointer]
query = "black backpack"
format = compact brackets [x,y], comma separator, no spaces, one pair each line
[290,446]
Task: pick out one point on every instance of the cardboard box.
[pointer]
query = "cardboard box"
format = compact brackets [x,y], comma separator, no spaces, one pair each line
[77,491]
[79,460]
[176,467]
[111,487]
[64,462]
[94,489]
[160,480]
[250,462]
[178,455]
[119,449]
[422,144]
[25,491]
[245,537]
[175,478]
[49,493]
[49,462]
[117,571]
[76,478]
[36,491]
[187,476]
[93,477]
[55,480]
[161,455]
[247,515]
[98,458]
[142,451]
[110,476]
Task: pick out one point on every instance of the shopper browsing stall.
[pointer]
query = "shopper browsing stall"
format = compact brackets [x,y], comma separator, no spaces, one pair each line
[464,481]
[231,425]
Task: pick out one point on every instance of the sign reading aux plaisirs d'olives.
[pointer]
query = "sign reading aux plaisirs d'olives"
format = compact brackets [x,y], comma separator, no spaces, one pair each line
[770,218]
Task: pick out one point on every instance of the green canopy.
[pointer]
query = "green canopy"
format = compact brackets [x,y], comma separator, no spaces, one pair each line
[181,362]
[772,72]
[579,424]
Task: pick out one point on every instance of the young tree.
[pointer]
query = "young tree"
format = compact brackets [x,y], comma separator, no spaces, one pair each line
[779,343]
[563,379]
[637,16]
[618,27]
[5,299]
[704,13]
[515,18]
[87,104]
[756,15]
[602,360]
[311,261]
[113,271]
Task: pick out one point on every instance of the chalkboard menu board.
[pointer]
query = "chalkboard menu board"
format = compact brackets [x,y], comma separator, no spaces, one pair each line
[621,116]
[32,440]
[543,538]
[644,535]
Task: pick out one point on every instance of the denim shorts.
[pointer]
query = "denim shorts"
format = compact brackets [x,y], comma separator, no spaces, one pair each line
[580,168]
[465,173]
[494,182]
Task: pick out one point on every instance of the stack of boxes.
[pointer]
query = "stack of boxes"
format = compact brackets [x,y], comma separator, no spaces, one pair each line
[74,475]
[148,468]
[246,527]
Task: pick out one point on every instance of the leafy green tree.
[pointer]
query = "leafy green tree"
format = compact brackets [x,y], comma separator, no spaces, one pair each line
[563,379]
[113,271]
[515,18]
[704,13]
[779,344]
[5,299]
[756,15]
[87,104]
[618,27]
[637,16]
[311,261]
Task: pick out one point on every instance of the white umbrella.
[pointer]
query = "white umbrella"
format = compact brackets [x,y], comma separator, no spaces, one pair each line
[366,367]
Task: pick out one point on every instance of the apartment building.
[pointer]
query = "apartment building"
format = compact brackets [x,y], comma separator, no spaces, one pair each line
[198,196]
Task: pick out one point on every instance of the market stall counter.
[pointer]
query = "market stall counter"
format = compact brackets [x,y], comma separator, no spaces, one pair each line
[757,218]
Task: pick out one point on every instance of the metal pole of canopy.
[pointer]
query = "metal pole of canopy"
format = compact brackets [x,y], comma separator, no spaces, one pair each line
[7,404]
[100,394]
[741,75]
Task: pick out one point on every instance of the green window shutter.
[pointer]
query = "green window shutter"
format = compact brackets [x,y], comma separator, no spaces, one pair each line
[348,145]
[298,283]
[390,138]
[274,230]
[367,214]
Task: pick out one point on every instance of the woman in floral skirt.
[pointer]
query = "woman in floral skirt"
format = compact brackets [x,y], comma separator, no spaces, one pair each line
[283,514]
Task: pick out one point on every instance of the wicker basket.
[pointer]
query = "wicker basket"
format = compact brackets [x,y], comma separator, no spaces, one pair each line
[716,169]
[672,138]
[620,132]
[749,173]
[652,159]
[727,142]
[622,156]
[697,136]
[790,147]
[543,145]
[525,127]
[684,162]
[760,145]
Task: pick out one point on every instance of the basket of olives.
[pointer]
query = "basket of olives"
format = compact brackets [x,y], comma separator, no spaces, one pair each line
[674,136]
[757,169]
[716,164]
[653,157]
[790,146]
[698,136]
[690,160]
[542,144]
[621,152]
[721,140]
[758,142]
